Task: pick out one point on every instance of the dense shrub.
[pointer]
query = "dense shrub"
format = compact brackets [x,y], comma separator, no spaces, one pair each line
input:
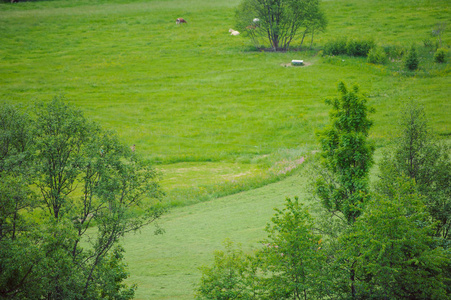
[440,55]
[335,47]
[361,47]
[411,61]
[377,56]
[351,47]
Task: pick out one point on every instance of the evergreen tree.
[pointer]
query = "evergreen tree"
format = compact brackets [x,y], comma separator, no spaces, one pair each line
[411,61]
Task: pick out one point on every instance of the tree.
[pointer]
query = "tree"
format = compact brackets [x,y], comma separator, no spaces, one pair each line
[15,139]
[84,178]
[292,257]
[315,21]
[342,187]
[411,61]
[19,251]
[419,156]
[392,245]
[279,21]
[346,156]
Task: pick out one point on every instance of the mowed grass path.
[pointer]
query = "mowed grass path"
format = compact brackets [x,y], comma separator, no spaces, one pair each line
[167,266]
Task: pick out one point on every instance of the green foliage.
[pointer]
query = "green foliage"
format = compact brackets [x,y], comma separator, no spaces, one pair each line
[411,60]
[15,138]
[61,134]
[377,56]
[292,257]
[396,256]
[440,55]
[395,51]
[108,37]
[359,47]
[335,47]
[428,43]
[351,47]
[287,267]
[111,276]
[230,277]
[85,177]
[346,154]
[279,21]
[419,156]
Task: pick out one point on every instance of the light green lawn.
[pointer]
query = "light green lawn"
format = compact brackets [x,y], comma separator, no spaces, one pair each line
[166,266]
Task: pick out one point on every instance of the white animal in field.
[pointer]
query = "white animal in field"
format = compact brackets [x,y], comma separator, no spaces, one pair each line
[256,20]
[180,20]
[233,32]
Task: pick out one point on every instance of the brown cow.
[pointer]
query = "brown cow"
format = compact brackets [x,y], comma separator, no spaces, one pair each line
[180,20]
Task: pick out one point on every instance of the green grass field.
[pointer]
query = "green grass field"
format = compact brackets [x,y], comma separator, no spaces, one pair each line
[214,115]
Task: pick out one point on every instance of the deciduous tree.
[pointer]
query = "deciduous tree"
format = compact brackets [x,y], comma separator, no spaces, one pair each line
[84,178]
[342,186]
[418,155]
[346,155]
[392,245]
[279,22]
[292,257]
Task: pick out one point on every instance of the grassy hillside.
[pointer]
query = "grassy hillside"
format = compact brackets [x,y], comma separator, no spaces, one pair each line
[195,95]
[215,115]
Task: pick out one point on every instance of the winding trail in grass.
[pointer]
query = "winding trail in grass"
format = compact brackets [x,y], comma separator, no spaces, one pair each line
[166,266]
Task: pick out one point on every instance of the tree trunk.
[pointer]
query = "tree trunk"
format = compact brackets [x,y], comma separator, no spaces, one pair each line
[302,40]
[311,42]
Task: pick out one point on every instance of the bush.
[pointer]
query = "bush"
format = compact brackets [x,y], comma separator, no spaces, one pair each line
[359,47]
[411,61]
[335,47]
[377,56]
[440,55]
[231,276]
[351,47]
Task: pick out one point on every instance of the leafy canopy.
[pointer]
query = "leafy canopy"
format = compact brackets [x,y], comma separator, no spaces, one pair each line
[346,155]
[279,22]
[54,188]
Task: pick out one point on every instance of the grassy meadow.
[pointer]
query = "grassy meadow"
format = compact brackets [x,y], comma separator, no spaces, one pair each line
[212,113]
